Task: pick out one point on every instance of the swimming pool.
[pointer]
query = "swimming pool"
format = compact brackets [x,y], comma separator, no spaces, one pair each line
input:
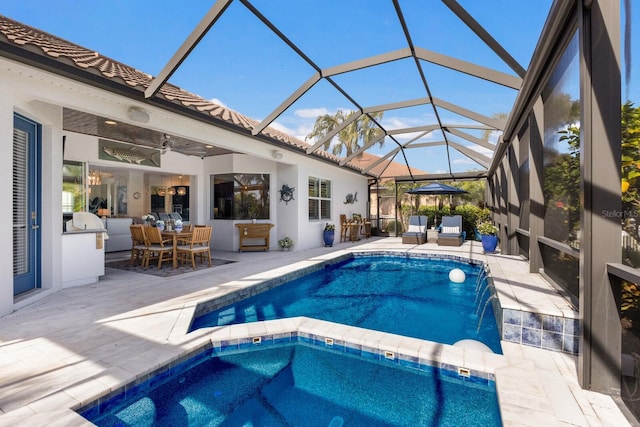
[298,385]
[396,294]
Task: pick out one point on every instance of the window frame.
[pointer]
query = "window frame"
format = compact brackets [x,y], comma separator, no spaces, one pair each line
[319,199]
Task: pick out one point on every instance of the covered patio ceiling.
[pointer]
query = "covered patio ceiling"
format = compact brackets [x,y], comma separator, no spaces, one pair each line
[423,86]
[428,78]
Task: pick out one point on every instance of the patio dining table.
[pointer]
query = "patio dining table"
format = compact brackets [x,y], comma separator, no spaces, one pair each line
[175,236]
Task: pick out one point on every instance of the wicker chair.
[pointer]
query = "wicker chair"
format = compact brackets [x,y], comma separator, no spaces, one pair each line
[416,234]
[451,233]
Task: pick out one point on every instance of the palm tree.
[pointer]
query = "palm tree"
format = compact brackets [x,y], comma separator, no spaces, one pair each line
[353,136]
[498,116]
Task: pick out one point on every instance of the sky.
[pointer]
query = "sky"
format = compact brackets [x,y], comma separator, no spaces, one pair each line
[241,64]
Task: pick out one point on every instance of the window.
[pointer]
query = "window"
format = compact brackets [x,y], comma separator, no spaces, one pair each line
[319,199]
[240,196]
[561,155]
[73,199]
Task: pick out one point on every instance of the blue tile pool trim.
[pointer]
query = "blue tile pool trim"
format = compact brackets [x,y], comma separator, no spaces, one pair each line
[146,382]
[546,331]
[204,307]
[240,294]
[522,327]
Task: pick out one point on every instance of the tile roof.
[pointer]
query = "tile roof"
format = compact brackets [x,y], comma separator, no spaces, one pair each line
[42,43]
[385,169]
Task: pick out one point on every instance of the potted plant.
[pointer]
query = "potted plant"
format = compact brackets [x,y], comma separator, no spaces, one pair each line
[329,234]
[147,218]
[285,243]
[177,225]
[160,224]
[254,213]
[488,235]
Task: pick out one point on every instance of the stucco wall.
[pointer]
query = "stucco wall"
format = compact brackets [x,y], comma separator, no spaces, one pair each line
[41,96]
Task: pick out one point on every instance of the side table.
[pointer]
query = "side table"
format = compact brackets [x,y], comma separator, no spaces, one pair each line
[432,235]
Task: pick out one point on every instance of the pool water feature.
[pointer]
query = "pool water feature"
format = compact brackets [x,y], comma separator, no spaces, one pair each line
[296,385]
[395,294]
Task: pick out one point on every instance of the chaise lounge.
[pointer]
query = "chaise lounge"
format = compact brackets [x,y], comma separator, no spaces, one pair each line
[451,231]
[416,234]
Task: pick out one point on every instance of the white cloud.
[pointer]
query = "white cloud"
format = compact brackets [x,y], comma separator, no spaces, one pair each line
[465,161]
[281,128]
[310,113]
[300,131]
[481,150]
[397,122]
[219,102]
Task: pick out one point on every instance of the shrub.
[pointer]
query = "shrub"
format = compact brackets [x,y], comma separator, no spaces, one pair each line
[395,227]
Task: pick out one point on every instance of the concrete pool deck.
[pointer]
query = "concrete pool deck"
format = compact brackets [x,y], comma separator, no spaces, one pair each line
[78,344]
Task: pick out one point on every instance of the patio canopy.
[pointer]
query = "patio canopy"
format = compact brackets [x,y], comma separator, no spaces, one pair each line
[425,84]
[436,188]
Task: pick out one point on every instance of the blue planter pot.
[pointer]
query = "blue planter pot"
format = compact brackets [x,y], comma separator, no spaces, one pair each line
[489,243]
[328,237]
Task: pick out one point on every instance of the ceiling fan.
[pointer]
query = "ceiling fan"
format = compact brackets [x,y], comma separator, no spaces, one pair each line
[168,144]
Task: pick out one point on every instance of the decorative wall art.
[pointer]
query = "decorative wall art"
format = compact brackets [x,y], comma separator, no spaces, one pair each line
[286,193]
[125,153]
[351,198]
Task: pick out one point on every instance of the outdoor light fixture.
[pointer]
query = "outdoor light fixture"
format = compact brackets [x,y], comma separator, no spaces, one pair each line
[138,115]
[161,191]
[171,190]
[182,191]
[276,154]
[95,178]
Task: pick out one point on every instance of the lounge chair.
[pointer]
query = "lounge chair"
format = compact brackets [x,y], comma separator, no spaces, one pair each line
[416,234]
[451,231]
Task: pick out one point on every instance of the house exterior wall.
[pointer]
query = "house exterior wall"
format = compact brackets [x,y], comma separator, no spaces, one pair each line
[342,183]
[41,96]
[290,219]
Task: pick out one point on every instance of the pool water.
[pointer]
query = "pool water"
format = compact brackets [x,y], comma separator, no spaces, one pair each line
[298,385]
[405,296]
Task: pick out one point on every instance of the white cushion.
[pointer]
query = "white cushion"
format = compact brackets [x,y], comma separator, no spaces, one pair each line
[416,229]
[451,230]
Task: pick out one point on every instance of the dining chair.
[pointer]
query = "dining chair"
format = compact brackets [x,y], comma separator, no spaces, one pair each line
[138,246]
[199,244]
[365,228]
[155,244]
[187,228]
[344,227]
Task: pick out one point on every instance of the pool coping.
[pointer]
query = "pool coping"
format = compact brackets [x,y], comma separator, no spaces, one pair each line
[472,367]
[410,352]
[510,397]
[535,386]
[236,290]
